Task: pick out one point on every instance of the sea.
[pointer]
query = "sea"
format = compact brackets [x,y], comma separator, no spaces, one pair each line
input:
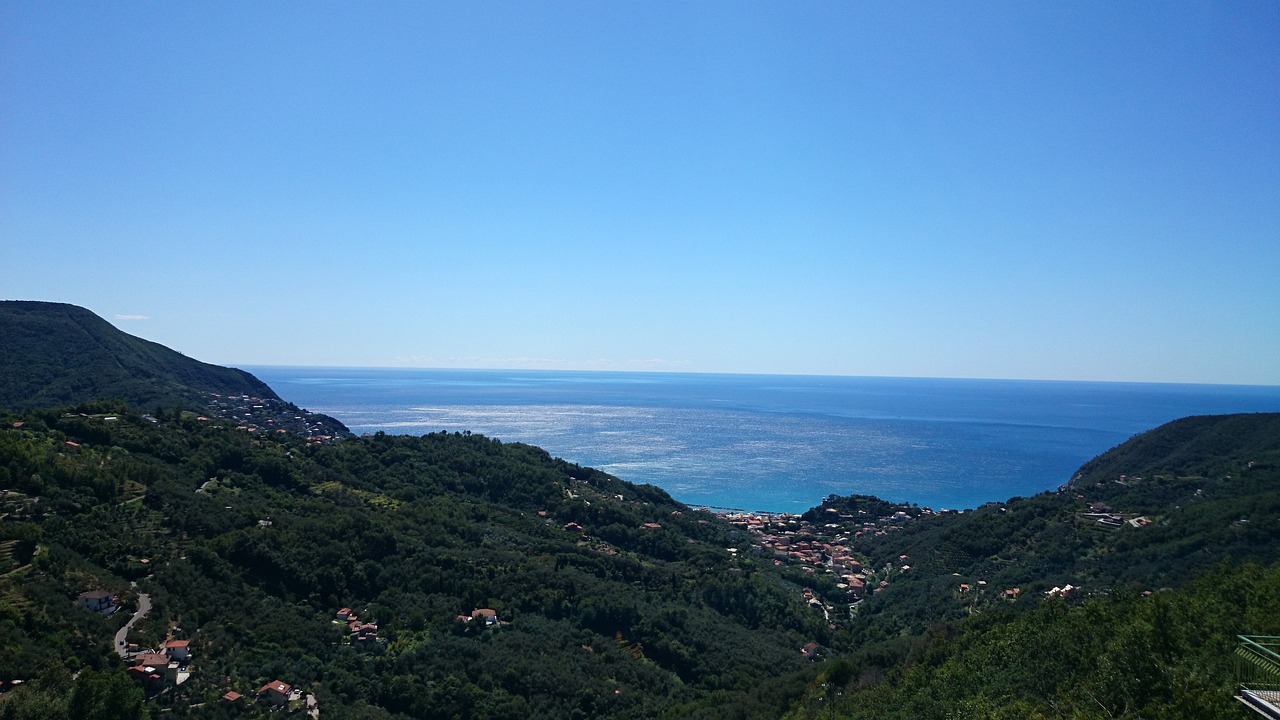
[775,443]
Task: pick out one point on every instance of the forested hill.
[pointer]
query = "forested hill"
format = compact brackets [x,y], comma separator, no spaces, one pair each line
[1150,513]
[1119,596]
[59,354]
[490,579]
[1212,447]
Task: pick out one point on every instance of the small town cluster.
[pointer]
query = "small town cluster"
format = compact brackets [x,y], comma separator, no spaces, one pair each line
[264,415]
[819,548]
[823,548]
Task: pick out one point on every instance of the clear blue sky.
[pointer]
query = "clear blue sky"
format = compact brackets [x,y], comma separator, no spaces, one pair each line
[1082,190]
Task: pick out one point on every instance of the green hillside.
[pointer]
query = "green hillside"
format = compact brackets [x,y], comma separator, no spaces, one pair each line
[1157,469]
[1149,538]
[1150,513]
[57,354]
[1170,654]
[610,600]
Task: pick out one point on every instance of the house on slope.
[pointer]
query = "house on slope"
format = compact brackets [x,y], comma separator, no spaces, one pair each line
[99,601]
[179,650]
[276,692]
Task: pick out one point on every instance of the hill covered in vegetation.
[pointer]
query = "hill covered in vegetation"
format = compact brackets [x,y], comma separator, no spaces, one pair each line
[58,354]
[453,575]
[54,354]
[1119,595]
[1153,512]
[1166,654]
[607,599]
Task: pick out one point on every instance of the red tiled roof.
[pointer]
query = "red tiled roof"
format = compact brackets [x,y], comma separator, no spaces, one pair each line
[276,685]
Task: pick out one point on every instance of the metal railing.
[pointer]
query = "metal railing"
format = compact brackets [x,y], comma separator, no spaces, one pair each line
[1257,661]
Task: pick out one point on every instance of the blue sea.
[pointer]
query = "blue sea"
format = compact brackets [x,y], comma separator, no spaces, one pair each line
[776,443]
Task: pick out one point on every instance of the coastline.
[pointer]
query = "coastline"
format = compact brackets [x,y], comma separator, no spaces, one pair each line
[776,444]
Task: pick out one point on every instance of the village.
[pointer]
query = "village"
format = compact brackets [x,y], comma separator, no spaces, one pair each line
[265,415]
[823,548]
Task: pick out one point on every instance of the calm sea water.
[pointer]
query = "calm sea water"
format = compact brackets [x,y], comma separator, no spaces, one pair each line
[777,443]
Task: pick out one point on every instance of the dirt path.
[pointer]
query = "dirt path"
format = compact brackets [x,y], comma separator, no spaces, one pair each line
[144,605]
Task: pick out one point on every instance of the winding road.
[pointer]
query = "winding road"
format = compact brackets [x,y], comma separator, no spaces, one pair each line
[144,604]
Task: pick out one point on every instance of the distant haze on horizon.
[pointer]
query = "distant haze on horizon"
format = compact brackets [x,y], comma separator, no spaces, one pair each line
[1082,191]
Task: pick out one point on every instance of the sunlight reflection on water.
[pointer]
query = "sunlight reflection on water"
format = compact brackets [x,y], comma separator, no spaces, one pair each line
[774,443]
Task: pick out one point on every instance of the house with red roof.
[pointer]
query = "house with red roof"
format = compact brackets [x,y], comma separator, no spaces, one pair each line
[153,670]
[276,692]
[148,676]
[178,649]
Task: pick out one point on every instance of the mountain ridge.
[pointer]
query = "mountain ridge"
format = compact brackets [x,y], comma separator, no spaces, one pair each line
[62,354]
[56,354]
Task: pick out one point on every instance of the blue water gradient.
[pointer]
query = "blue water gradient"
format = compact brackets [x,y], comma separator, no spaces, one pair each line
[777,443]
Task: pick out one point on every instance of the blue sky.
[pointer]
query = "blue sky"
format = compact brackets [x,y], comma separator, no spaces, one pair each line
[1022,189]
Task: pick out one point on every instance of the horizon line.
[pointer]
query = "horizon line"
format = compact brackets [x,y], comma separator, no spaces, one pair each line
[650,371]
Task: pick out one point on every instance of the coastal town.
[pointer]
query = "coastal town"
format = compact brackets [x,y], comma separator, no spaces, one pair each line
[829,543]
[823,550]
[259,415]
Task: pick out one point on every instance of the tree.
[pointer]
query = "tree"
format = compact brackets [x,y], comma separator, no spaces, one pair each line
[105,696]
[30,703]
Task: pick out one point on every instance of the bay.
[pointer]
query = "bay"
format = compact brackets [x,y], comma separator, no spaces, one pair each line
[775,443]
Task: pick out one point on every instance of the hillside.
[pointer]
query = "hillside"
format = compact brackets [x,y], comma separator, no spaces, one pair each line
[1149,513]
[1119,595]
[57,354]
[1170,654]
[493,581]
[600,598]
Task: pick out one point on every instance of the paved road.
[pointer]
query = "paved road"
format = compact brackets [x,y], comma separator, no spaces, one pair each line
[144,604]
